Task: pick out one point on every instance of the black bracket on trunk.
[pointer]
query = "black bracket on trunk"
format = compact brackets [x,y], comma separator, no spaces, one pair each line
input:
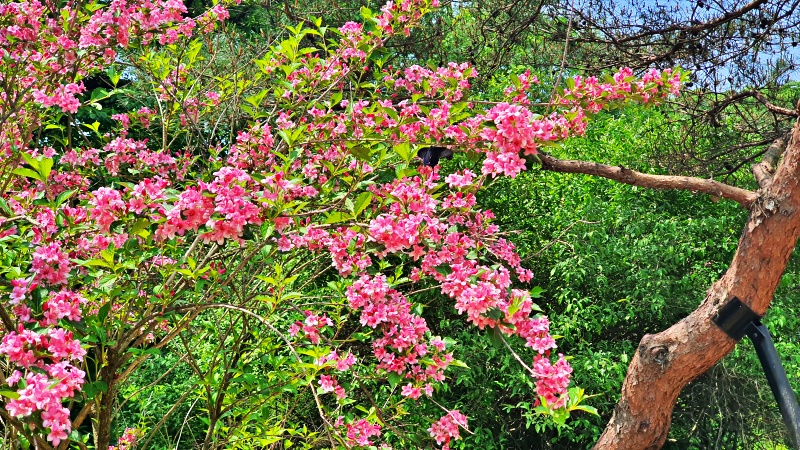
[737,320]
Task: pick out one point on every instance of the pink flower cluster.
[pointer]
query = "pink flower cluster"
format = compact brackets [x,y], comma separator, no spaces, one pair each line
[50,264]
[359,432]
[516,129]
[552,380]
[63,304]
[449,82]
[402,345]
[253,148]
[446,428]
[18,291]
[127,441]
[402,16]
[106,207]
[62,96]
[311,327]
[47,384]
[592,95]
[123,20]
[225,206]
[519,93]
[328,383]
[126,153]
[340,363]
[346,247]
[231,204]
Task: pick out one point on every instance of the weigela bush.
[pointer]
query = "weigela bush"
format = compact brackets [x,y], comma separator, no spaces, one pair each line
[113,241]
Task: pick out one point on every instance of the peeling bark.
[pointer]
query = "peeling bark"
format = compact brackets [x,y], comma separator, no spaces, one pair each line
[666,362]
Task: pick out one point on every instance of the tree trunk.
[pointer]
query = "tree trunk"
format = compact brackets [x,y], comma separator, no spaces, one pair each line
[666,362]
[104,408]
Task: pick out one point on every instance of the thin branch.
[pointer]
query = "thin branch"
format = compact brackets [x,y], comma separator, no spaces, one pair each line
[564,55]
[780,110]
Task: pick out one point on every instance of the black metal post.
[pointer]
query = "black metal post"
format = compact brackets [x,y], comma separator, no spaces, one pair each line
[778,381]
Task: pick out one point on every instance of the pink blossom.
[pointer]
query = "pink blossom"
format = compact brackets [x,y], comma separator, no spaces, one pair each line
[552,380]
[361,431]
[50,264]
[20,288]
[327,383]
[447,428]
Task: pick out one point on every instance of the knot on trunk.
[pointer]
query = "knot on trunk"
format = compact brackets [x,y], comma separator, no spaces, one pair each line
[652,352]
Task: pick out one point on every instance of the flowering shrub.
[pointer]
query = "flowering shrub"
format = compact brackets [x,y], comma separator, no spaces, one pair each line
[117,244]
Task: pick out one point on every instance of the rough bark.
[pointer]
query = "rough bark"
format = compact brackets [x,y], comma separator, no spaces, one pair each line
[666,362]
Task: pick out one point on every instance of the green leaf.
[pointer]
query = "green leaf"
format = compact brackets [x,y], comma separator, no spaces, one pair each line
[394,378]
[360,336]
[337,216]
[30,160]
[62,197]
[113,75]
[4,206]
[570,83]
[98,94]
[27,173]
[10,394]
[141,228]
[361,152]
[443,269]
[494,313]
[45,167]
[366,13]
[362,201]
[589,409]
[103,312]
[495,338]
[560,416]
[404,150]
[95,126]
[92,389]
[96,263]
[459,363]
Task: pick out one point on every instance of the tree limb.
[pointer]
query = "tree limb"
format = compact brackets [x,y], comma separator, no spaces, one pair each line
[763,170]
[634,178]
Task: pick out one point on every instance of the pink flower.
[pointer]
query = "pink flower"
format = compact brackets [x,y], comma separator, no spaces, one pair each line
[63,304]
[411,391]
[446,428]
[20,288]
[359,432]
[327,383]
[107,206]
[50,264]
[460,180]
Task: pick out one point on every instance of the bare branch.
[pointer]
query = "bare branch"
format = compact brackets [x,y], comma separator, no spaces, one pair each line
[634,178]
[725,18]
[758,96]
